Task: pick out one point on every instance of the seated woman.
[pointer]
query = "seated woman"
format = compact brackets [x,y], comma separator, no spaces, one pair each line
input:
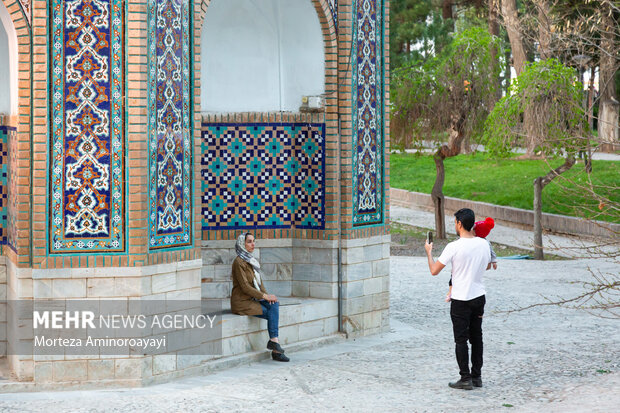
[249,296]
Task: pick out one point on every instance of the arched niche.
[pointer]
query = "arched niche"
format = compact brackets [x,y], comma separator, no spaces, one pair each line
[260,55]
[8,63]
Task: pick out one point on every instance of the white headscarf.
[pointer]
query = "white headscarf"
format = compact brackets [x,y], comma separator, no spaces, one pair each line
[249,258]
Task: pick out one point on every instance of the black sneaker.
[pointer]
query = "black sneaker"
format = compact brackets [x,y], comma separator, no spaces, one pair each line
[462,384]
[476,381]
[272,345]
[279,356]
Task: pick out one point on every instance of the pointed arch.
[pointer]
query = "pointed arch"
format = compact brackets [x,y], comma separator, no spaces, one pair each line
[328,28]
[8,63]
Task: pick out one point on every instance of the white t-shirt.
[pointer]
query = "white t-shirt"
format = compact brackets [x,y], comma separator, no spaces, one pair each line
[469,258]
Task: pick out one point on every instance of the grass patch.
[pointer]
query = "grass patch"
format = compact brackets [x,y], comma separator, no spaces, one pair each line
[507,182]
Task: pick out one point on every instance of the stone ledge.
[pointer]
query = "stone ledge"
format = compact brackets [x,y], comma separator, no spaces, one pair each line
[519,217]
[364,242]
[112,272]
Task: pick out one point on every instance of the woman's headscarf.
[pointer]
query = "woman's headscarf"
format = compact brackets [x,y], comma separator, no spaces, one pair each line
[249,258]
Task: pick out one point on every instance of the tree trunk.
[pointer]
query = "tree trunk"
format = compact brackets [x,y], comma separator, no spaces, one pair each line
[437,196]
[494,31]
[513,27]
[608,124]
[544,29]
[538,242]
[446,9]
[453,148]
[591,98]
[608,106]
[539,185]
[507,70]
[531,139]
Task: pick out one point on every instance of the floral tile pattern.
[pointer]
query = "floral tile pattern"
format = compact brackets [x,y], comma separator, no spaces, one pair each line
[169,121]
[367,99]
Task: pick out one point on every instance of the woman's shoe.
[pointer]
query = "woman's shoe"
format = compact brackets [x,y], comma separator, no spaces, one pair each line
[272,345]
[279,356]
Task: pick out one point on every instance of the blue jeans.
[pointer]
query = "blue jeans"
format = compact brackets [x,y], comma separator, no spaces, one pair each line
[271,313]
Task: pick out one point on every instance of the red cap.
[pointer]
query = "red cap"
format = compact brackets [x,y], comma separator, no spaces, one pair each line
[482,228]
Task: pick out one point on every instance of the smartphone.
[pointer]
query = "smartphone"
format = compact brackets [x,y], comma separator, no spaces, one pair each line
[429,237]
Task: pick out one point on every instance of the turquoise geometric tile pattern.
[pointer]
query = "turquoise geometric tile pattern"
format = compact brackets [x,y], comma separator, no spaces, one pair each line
[263,175]
[5,133]
[169,123]
[368,145]
[11,202]
[87,139]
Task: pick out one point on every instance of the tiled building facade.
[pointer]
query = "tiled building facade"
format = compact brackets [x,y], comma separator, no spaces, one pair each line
[117,183]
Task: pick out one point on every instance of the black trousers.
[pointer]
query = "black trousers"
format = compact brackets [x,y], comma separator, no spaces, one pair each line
[467,325]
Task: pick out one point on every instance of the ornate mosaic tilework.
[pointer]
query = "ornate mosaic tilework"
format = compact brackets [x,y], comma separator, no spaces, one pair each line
[333,6]
[263,175]
[11,203]
[368,112]
[87,142]
[169,122]
[5,133]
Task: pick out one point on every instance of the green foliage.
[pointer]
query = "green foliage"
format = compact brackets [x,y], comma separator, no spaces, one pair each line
[452,88]
[548,90]
[508,182]
[416,31]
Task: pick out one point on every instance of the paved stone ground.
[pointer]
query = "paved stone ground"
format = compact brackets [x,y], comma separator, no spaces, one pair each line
[542,359]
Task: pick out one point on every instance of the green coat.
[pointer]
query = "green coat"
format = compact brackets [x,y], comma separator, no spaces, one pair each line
[244,296]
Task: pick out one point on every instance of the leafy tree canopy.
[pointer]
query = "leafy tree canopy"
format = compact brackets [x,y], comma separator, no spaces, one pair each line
[549,90]
[417,31]
[447,91]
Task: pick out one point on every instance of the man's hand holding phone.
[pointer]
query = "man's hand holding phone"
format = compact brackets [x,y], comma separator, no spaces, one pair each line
[429,242]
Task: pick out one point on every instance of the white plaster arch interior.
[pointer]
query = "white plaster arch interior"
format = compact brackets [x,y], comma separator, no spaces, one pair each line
[260,55]
[8,63]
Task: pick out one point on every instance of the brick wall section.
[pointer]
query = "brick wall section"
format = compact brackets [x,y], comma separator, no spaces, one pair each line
[136,193]
[345,37]
[40,132]
[21,121]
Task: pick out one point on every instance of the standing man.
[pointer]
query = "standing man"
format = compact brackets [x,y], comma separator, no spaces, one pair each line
[470,258]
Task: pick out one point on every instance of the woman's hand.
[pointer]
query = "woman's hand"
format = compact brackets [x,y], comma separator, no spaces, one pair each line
[270,298]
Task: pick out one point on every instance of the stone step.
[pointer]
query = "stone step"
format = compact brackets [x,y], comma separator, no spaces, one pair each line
[300,319]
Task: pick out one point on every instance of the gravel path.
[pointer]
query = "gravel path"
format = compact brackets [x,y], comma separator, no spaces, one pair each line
[542,359]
